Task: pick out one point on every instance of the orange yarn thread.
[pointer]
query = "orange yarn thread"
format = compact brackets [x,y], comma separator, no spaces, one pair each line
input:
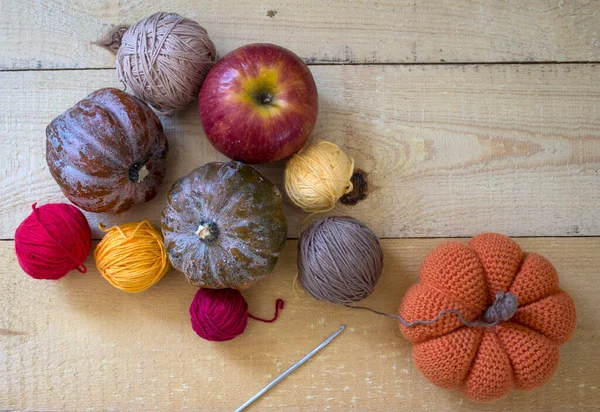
[132,256]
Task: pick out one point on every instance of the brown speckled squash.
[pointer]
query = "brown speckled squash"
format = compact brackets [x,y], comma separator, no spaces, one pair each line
[224,226]
[107,152]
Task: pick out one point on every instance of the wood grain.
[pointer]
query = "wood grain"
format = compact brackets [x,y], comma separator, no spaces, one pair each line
[449,150]
[80,343]
[41,34]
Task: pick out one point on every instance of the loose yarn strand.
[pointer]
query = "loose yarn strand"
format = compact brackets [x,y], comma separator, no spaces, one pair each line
[295,285]
[279,304]
[503,309]
[340,261]
[118,228]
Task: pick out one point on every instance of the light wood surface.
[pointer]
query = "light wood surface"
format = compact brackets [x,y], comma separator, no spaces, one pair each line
[54,34]
[506,140]
[80,343]
[449,150]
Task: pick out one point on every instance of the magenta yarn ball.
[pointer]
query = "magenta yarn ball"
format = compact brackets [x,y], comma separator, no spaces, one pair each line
[53,240]
[219,314]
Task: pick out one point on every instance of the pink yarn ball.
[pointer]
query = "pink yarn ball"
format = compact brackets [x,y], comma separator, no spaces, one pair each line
[222,314]
[53,240]
[219,314]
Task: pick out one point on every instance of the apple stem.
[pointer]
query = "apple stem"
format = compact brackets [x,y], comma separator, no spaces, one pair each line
[267,98]
[264,98]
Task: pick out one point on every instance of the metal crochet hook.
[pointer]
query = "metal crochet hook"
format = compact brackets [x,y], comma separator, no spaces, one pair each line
[291,369]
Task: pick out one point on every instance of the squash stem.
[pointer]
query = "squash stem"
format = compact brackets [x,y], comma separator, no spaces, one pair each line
[203,231]
[207,231]
[138,172]
[142,174]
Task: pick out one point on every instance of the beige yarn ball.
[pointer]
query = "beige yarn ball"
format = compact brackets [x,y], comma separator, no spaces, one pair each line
[317,176]
[164,59]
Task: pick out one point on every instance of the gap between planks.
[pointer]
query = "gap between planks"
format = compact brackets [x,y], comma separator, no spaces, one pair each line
[78,33]
[482,63]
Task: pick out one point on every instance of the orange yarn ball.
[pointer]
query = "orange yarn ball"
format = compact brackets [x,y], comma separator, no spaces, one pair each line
[132,257]
[486,363]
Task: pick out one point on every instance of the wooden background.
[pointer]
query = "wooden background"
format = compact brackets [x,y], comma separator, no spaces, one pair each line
[467,116]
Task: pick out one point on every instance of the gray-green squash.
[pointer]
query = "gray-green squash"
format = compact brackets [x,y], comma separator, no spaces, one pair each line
[224,226]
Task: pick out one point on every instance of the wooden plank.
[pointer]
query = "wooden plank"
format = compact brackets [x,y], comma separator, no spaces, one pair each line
[449,150]
[41,34]
[79,343]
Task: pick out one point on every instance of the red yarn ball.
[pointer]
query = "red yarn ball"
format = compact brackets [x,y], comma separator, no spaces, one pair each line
[53,240]
[219,314]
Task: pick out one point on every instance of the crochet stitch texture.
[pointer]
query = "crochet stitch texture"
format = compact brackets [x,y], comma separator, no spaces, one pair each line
[486,363]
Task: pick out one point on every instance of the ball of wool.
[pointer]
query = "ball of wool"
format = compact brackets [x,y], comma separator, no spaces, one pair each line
[53,240]
[164,59]
[317,176]
[219,314]
[339,260]
[132,256]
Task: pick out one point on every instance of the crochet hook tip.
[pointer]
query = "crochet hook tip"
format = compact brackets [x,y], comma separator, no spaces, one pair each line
[291,368]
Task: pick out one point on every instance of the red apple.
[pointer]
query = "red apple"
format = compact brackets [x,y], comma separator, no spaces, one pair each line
[258,104]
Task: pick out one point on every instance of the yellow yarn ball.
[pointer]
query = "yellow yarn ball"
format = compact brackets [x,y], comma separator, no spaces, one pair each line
[132,256]
[317,176]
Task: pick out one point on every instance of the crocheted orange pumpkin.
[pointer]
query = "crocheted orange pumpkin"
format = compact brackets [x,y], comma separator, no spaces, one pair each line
[485,363]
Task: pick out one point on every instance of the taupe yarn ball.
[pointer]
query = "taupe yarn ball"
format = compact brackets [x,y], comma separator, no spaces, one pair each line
[164,59]
[339,260]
